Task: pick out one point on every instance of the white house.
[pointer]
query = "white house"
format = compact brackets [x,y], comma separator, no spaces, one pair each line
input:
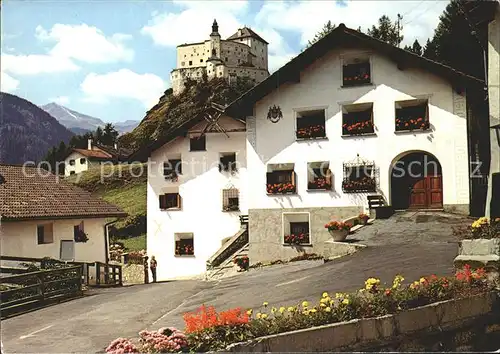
[347,118]
[80,160]
[42,216]
[242,54]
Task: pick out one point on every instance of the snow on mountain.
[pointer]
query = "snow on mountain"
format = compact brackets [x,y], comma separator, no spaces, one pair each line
[77,121]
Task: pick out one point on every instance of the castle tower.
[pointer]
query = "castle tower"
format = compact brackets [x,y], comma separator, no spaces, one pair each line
[215,41]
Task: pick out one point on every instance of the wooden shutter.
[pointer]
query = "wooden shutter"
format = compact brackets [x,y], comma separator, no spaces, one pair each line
[293,177]
[269,178]
[179,200]
[163,201]
[328,177]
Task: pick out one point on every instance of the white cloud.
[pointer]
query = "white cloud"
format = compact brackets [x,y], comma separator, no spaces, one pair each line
[85,43]
[422,17]
[8,83]
[169,29]
[62,100]
[36,64]
[124,83]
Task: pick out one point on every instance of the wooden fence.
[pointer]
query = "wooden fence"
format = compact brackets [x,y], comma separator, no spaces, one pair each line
[34,289]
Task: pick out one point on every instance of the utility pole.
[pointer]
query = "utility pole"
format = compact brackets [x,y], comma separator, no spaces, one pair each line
[399,27]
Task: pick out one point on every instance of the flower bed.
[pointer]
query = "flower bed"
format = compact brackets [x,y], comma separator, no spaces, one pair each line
[365,184]
[482,228]
[297,239]
[207,330]
[314,131]
[280,188]
[320,183]
[337,226]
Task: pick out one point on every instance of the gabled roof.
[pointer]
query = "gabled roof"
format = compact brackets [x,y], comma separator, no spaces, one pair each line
[103,152]
[245,33]
[31,193]
[94,154]
[339,37]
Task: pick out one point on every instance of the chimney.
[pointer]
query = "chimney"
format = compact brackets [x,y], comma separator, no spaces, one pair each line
[89,144]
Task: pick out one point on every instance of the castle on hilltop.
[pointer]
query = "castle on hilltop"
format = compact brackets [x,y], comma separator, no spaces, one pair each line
[242,54]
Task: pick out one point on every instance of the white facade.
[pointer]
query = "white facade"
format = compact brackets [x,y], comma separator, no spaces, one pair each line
[266,143]
[216,57]
[320,88]
[75,163]
[200,186]
[20,239]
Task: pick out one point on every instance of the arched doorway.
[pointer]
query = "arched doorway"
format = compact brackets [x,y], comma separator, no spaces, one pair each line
[416,182]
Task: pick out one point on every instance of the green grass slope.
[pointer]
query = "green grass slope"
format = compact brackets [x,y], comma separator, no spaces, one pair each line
[124,186]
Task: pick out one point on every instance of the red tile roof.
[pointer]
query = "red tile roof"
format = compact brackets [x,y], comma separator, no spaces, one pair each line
[33,193]
[97,154]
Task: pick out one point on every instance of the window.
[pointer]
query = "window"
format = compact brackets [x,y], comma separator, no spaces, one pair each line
[72,162]
[356,72]
[71,173]
[319,176]
[311,124]
[170,201]
[83,161]
[45,233]
[232,79]
[227,162]
[412,115]
[183,63]
[198,143]
[281,179]
[172,168]
[296,228]
[226,58]
[79,234]
[230,200]
[201,60]
[191,62]
[357,119]
[184,244]
[359,178]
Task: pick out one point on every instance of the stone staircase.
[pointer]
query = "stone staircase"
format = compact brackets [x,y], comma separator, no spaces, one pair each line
[226,268]
[221,263]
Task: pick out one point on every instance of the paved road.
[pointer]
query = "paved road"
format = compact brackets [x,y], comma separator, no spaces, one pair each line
[410,244]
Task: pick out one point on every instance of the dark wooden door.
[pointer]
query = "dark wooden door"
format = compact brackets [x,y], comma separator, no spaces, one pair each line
[418,193]
[426,192]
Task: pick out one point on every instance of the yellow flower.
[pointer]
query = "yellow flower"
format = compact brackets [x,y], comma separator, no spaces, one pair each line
[325,294]
[345,301]
[313,310]
[338,295]
[249,312]
[423,280]
[259,315]
[328,309]
[398,279]
[291,309]
[306,312]
[265,303]
[264,316]
[274,309]
[282,309]
[305,304]
[322,304]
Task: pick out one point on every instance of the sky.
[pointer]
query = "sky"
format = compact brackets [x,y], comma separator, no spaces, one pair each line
[112,59]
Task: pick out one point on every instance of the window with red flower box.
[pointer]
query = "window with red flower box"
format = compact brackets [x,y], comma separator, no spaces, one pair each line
[412,115]
[319,176]
[311,124]
[281,179]
[356,72]
[184,244]
[299,234]
[359,177]
[357,119]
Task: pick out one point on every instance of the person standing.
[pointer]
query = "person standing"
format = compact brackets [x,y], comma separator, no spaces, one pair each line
[146,271]
[153,265]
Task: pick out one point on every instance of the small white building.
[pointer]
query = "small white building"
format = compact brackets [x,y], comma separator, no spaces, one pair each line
[243,54]
[80,160]
[43,216]
[350,117]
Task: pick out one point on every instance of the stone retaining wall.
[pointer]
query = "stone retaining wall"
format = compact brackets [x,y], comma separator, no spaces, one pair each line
[464,324]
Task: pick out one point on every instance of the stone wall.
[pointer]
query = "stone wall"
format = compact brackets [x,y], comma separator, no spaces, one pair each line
[266,231]
[454,325]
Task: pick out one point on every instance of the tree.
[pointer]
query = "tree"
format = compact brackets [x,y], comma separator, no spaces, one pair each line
[109,135]
[415,48]
[386,31]
[98,135]
[455,44]
[327,28]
